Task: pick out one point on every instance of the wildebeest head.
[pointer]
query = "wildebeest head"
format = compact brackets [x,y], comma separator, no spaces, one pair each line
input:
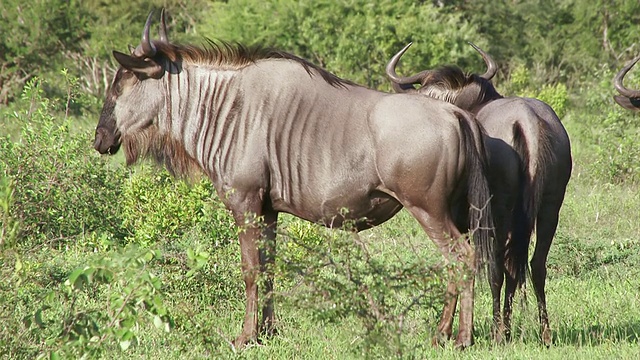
[130,106]
[448,83]
[628,99]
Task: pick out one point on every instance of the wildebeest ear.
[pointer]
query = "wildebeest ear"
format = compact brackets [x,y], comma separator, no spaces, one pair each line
[628,103]
[142,67]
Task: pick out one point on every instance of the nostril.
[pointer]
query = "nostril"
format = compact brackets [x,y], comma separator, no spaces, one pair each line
[97,142]
[102,141]
[98,139]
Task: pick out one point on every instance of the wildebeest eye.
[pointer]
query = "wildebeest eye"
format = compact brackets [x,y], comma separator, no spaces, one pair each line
[123,79]
[127,74]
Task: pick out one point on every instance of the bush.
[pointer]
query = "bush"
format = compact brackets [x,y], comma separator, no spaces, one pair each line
[63,189]
[522,84]
[618,153]
[325,31]
[98,307]
[156,207]
[595,124]
[388,290]
[9,227]
[33,32]
[607,131]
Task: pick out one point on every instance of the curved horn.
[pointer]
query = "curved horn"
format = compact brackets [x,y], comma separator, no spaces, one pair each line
[146,48]
[492,67]
[617,81]
[403,84]
[163,28]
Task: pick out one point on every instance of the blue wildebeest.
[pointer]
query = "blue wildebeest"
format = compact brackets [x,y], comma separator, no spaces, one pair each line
[530,166]
[275,133]
[628,99]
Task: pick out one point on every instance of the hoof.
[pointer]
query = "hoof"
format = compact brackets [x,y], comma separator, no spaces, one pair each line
[268,329]
[463,342]
[546,337]
[501,336]
[242,341]
[440,340]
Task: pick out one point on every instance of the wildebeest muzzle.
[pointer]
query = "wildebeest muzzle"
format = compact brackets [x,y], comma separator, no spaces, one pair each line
[106,142]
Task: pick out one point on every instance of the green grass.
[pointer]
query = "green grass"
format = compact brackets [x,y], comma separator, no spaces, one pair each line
[593,285]
[593,297]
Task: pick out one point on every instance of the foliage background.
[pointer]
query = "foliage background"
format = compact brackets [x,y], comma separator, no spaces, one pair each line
[99,260]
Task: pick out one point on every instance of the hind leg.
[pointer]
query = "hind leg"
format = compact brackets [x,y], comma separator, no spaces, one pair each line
[502,206]
[509,292]
[441,229]
[496,281]
[547,224]
[515,265]
[504,182]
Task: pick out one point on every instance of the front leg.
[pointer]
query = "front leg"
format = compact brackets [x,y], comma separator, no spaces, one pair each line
[250,270]
[445,325]
[247,209]
[267,263]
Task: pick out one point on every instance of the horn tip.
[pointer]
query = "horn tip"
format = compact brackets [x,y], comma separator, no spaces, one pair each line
[405,48]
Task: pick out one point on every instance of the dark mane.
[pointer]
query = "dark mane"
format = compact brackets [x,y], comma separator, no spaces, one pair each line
[451,84]
[448,77]
[235,56]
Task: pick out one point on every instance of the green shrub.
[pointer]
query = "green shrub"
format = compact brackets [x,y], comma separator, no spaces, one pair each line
[63,189]
[99,306]
[157,207]
[387,288]
[33,32]
[522,84]
[9,227]
[556,96]
[618,150]
[325,31]
[605,131]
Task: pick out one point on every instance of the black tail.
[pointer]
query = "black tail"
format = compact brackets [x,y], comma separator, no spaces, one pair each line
[532,175]
[478,194]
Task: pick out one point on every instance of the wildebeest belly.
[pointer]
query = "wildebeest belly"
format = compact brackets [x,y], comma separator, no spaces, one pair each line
[357,209]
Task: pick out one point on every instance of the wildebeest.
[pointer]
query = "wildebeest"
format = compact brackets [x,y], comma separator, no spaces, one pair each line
[275,133]
[628,99]
[530,166]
